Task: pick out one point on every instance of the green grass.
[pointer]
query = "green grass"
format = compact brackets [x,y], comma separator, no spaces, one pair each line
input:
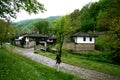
[84,62]
[16,67]
[97,56]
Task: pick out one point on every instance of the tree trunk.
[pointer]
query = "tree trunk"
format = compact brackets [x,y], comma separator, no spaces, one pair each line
[61,45]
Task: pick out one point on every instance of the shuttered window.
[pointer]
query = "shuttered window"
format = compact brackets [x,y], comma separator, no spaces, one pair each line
[90,38]
[84,38]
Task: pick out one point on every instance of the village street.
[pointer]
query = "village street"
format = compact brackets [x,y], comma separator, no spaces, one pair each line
[80,72]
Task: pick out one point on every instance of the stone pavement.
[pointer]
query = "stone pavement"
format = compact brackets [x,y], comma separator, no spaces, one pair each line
[78,71]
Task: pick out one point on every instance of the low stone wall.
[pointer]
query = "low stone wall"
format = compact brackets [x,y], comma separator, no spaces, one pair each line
[79,47]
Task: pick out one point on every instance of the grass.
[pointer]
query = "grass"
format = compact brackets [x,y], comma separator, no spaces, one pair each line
[97,56]
[84,62]
[16,67]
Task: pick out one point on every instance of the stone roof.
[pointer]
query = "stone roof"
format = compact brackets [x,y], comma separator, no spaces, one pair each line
[81,34]
[37,35]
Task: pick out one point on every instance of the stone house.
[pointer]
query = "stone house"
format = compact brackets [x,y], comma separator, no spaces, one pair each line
[81,42]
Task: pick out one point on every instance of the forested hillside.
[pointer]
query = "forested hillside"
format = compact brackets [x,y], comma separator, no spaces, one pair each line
[27,25]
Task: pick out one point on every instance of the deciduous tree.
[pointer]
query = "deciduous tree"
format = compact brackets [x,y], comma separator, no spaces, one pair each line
[42,26]
[110,18]
[6,31]
[87,22]
[74,19]
[62,29]
[9,8]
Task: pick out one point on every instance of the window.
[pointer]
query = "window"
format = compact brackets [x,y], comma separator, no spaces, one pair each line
[84,38]
[90,38]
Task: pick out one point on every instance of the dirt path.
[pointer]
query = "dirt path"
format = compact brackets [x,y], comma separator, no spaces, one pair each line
[80,72]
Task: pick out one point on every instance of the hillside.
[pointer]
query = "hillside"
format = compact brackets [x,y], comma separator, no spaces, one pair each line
[26,25]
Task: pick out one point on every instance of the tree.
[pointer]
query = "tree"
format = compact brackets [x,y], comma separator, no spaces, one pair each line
[102,17]
[114,19]
[88,17]
[109,17]
[75,19]
[87,22]
[42,26]
[94,10]
[62,29]
[6,31]
[9,8]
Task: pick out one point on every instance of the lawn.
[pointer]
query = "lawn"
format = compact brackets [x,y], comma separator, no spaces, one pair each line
[84,62]
[16,67]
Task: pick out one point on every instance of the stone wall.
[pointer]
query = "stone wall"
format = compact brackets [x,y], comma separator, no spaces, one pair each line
[79,47]
[29,44]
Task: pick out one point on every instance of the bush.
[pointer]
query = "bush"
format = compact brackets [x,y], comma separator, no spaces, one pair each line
[97,56]
[115,54]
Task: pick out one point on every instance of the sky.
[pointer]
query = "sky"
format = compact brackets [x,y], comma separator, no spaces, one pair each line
[55,8]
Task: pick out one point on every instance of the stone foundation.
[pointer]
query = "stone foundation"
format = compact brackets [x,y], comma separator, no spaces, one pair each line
[79,47]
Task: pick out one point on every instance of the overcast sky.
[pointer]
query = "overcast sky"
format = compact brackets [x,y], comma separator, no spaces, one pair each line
[55,8]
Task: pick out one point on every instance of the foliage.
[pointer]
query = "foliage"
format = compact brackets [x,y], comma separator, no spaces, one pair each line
[88,16]
[101,43]
[6,31]
[42,26]
[59,31]
[102,21]
[62,29]
[110,17]
[28,25]
[109,44]
[114,46]
[9,8]
[86,20]
[74,20]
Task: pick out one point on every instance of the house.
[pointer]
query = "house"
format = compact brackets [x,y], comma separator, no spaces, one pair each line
[81,42]
[27,40]
[19,39]
[51,40]
[36,40]
[37,37]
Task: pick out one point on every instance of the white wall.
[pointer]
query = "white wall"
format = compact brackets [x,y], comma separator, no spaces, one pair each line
[80,40]
[20,37]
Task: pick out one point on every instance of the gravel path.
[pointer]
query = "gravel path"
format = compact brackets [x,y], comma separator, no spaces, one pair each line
[80,72]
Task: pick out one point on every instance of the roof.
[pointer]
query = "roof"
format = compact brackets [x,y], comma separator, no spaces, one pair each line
[81,34]
[52,37]
[17,36]
[37,35]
